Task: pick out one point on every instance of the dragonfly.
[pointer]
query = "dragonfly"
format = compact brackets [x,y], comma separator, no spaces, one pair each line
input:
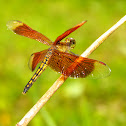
[59,56]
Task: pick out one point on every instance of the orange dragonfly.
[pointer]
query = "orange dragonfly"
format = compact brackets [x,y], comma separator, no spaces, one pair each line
[58,56]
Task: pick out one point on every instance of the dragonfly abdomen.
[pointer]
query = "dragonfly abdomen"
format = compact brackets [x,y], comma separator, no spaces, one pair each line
[41,68]
[34,77]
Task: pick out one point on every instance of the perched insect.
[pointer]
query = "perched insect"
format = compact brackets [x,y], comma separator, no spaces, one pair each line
[58,56]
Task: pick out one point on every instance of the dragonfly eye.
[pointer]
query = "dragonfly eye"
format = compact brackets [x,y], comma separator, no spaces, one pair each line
[72,43]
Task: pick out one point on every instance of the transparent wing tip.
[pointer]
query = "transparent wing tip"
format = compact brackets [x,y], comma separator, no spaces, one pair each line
[12,25]
[101,70]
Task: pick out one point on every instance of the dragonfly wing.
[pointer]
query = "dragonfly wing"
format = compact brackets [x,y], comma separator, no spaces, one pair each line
[66,33]
[22,29]
[66,64]
[36,58]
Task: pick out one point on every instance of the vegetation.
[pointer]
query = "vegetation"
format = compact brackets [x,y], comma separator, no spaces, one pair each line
[79,102]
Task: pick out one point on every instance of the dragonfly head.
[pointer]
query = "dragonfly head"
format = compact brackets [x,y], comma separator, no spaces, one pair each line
[67,45]
[71,42]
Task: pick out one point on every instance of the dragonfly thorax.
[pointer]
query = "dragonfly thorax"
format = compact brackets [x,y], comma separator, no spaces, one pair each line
[67,45]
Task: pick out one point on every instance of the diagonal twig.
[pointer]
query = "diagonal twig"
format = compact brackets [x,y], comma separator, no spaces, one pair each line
[33,111]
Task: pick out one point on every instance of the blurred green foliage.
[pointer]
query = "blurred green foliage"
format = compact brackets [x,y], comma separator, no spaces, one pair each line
[79,102]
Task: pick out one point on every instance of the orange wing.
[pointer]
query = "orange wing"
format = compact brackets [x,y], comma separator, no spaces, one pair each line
[64,63]
[22,29]
[36,58]
[66,33]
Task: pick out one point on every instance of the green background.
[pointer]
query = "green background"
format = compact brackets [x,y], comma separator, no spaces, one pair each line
[78,102]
